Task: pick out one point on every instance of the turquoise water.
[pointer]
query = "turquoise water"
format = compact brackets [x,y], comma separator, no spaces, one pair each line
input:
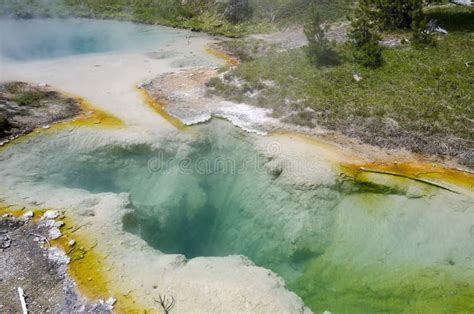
[343,247]
[35,39]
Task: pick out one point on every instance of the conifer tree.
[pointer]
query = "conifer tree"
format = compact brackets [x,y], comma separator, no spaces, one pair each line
[421,38]
[364,37]
[319,50]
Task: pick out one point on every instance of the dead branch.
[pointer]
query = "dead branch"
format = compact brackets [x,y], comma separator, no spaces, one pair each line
[166,304]
[409,177]
[21,293]
[41,238]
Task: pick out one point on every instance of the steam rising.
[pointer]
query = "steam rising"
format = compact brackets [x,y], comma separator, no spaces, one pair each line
[51,38]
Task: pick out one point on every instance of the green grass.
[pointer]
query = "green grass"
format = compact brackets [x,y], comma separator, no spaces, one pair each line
[163,12]
[206,16]
[30,98]
[422,100]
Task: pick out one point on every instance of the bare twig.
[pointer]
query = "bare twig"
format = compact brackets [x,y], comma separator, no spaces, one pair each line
[411,178]
[166,304]
[21,293]
[41,238]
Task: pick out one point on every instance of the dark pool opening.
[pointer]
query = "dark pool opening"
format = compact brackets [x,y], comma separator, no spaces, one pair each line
[178,233]
[344,248]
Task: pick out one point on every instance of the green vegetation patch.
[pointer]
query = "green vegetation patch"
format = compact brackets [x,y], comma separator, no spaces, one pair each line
[421,100]
[30,98]
[198,15]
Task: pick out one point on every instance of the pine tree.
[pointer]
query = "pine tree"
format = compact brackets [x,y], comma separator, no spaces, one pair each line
[364,36]
[397,13]
[237,11]
[319,50]
[420,37]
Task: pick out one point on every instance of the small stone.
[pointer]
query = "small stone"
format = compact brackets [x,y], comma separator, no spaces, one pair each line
[58,256]
[46,126]
[28,215]
[111,301]
[54,233]
[71,242]
[50,214]
[89,279]
[357,77]
[50,224]
[5,242]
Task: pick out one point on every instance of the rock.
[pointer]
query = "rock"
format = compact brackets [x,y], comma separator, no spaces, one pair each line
[50,224]
[391,42]
[57,256]
[71,242]
[5,241]
[28,215]
[50,214]
[104,304]
[357,77]
[433,27]
[54,234]
[46,126]
[111,301]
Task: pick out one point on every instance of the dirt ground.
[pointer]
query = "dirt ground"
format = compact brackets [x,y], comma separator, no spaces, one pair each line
[24,107]
[26,262]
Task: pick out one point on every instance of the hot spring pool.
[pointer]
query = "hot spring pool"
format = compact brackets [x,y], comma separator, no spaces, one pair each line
[343,246]
[36,39]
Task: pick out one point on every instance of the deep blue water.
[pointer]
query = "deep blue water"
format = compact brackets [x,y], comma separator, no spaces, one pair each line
[36,39]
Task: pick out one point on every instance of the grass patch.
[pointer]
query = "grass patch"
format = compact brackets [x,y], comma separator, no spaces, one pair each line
[206,16]
[421,100]
[30,98]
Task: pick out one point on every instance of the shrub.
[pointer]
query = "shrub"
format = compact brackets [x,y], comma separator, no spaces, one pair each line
[4,125]
[364,37]
[318,50]
[237,11]
[30,98]
[397,13]
[421,38]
